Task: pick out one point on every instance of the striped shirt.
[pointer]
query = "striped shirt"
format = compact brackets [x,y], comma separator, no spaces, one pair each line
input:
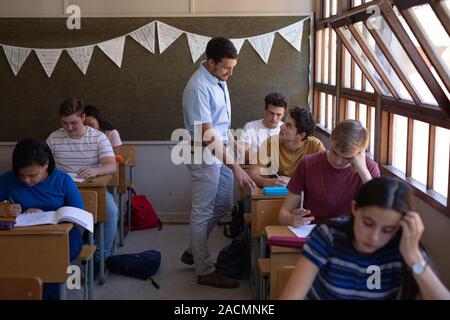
[344,272]
[72,154]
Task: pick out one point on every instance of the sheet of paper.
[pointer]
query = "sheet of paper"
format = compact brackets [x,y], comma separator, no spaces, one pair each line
[303,231]
[75,177]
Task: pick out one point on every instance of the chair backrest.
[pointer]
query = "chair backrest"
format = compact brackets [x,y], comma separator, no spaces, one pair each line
[128,151]
[90,202]
[19,288]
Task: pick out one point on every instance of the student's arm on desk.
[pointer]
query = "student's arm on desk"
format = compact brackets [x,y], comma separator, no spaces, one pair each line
[291,215]
[213,141]
[300,280]
[108,166]
[261,181]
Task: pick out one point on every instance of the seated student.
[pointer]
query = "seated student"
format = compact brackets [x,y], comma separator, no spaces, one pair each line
[95,120]
[87,152]
[338,259]
[257,131]
[330,179]
[293,143]
[34,185]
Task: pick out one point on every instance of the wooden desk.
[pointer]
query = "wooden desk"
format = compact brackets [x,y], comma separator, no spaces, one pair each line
[38,251]
[99,185]
[279,257]
[264,211]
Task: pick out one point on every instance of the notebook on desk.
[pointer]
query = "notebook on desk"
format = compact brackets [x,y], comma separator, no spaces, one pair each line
[301,233]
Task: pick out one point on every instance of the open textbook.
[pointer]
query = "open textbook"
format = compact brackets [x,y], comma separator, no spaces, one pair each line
[64,214]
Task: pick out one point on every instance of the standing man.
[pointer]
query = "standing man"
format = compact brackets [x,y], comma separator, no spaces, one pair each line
[207,116]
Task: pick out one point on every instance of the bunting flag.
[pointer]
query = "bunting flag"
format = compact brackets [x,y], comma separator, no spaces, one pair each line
[145,36]
[238,44]
[113,49]
[48,58]
[293,34]
[16,57]
[81,56]
[167,35]
[263,45]
[197,45]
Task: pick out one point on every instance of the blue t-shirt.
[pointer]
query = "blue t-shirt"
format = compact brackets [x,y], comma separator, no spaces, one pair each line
[56,191]
[344,272]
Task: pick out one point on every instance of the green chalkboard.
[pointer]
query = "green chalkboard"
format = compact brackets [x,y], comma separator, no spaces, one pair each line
[143,97]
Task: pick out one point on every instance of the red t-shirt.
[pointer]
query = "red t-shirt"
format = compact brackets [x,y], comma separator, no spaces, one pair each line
[328,191]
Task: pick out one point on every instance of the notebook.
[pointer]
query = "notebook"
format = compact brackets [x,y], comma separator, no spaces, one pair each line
[302,231]
[64,214]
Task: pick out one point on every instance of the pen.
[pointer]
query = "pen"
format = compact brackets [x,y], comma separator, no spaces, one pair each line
[302,198]
[276,174]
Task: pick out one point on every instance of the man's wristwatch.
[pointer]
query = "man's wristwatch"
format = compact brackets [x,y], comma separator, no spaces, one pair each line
[418,267]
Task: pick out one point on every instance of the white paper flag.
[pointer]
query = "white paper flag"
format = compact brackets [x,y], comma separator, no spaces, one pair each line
[263,45]
[197,45]
[16,57]
[293,34]
[167,35]
[113,49]
[238,43]
[81,56]
[48,59]
[145,36]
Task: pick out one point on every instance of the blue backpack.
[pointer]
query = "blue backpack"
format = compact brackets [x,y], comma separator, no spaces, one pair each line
[138,265]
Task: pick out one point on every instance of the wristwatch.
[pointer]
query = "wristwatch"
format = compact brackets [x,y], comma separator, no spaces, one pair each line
[418,267]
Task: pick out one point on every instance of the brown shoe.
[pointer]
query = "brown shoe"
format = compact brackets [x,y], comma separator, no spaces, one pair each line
[187,258]
[218,280]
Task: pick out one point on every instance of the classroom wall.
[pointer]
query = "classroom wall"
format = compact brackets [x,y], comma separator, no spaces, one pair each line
[112,8]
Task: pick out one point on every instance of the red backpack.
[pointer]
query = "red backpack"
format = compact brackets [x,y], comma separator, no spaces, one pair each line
[143,216]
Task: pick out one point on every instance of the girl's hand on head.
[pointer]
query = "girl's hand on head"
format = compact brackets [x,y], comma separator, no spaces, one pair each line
[412,230]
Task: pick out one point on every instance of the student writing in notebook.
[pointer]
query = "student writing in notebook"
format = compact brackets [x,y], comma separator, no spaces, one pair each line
[35,185]
[96,120]
[374,254]
[330,179]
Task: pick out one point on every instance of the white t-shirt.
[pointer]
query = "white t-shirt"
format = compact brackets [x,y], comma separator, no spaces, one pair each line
[255,133]
[72,154]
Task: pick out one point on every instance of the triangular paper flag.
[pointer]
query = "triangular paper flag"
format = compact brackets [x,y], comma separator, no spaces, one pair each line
[293,34]
[113,49]
[197,45]
[81,56]
[167,35]
[263,44]
[145,36]
[16,57]
[238,43]
[48,59]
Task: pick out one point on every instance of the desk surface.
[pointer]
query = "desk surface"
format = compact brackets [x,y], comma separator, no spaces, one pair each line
[61,228]
[100,181]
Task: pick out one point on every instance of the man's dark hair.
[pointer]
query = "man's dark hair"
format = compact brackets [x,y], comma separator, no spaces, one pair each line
[276,99]
[219,48]
[304,121]
[71,106]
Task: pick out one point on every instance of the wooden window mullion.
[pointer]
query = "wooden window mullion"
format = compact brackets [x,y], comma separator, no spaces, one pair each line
[409,147]
[431,150]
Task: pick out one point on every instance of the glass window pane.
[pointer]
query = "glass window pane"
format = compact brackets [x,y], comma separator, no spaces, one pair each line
[358,78]
[351,110]
[420,151]
[347,71]
[375,50]
[326,9]
[369,87]
[434,31]
[322,109]
[333,58]
[372,130]
[325,54]
[369,67]
[363,114]
[330,112]
[441,161]
[400,131]
[319,56]
[356,3]
[334,7]
[409,70]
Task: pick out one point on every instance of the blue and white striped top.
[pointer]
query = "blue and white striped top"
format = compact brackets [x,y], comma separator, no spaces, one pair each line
[344,272]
